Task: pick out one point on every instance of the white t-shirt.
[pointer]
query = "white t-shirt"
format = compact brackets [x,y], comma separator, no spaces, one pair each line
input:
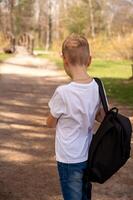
[75,105]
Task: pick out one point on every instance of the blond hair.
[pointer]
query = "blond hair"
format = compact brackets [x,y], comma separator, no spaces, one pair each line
[76,49]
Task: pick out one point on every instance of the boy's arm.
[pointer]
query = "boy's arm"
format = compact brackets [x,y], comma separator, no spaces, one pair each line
[57,108]
[100,115]
[51,121]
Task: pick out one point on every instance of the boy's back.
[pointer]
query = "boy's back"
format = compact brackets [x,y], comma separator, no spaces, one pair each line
[75,105]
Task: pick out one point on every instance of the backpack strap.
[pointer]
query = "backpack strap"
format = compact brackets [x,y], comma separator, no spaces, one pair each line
[102,94]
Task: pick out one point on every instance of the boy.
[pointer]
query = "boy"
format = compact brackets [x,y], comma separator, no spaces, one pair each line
[73,110]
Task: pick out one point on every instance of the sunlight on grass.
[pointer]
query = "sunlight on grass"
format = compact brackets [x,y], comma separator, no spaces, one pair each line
[112,69]
[115,76]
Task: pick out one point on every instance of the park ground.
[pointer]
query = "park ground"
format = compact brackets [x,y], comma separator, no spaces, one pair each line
[27,162]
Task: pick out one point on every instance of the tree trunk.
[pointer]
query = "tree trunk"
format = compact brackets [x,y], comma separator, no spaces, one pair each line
[11,15]
[91,19]
[49,26]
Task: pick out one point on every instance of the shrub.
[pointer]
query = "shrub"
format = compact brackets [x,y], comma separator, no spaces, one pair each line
[123,45]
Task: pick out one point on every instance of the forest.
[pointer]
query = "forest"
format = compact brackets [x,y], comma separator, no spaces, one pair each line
[106,23]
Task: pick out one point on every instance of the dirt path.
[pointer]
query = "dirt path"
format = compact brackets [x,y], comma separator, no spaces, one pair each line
[27,163]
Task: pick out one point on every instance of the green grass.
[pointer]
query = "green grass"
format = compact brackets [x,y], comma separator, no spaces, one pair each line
[110,69]
[115,76]
[119,89]
[114,73]
[4,56]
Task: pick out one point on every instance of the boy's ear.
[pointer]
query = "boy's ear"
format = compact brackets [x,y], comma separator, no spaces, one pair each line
[89,60]
[65,60]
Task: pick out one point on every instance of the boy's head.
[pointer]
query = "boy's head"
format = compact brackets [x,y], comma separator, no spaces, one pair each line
[75,51]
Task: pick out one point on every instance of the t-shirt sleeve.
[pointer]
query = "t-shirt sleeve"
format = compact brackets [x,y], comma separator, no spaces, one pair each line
[56,104]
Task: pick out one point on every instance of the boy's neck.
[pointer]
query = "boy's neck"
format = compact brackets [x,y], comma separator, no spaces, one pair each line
[79,74]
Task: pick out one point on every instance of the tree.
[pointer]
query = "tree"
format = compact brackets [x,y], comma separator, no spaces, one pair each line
[44,22]
[24,21]
[91,18]
[87,15]
[122,23]
[77,19]
[49,27]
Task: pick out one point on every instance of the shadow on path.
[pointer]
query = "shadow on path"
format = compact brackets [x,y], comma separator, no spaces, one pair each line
[27,163]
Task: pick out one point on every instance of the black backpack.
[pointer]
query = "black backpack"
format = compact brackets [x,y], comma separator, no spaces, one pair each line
[110,146]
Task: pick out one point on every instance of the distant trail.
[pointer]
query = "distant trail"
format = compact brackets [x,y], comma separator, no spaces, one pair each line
[27,162]
[27,65]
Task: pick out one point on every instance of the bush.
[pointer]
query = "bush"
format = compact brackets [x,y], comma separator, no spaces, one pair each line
[123,45]
[101,47]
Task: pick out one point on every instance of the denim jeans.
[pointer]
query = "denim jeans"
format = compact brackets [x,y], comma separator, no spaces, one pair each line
[73,184]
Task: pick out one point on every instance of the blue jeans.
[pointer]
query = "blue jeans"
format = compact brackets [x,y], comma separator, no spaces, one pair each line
[73,184]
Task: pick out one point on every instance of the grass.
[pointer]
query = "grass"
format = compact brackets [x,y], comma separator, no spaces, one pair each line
[119,89]
[114,73]
[115,76]
[4,56]
[110,68]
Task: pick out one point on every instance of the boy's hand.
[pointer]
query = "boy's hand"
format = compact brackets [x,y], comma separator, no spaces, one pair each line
[100,115]
[51,121]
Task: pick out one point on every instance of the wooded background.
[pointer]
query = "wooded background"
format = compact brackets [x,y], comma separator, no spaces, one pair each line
[50,21]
